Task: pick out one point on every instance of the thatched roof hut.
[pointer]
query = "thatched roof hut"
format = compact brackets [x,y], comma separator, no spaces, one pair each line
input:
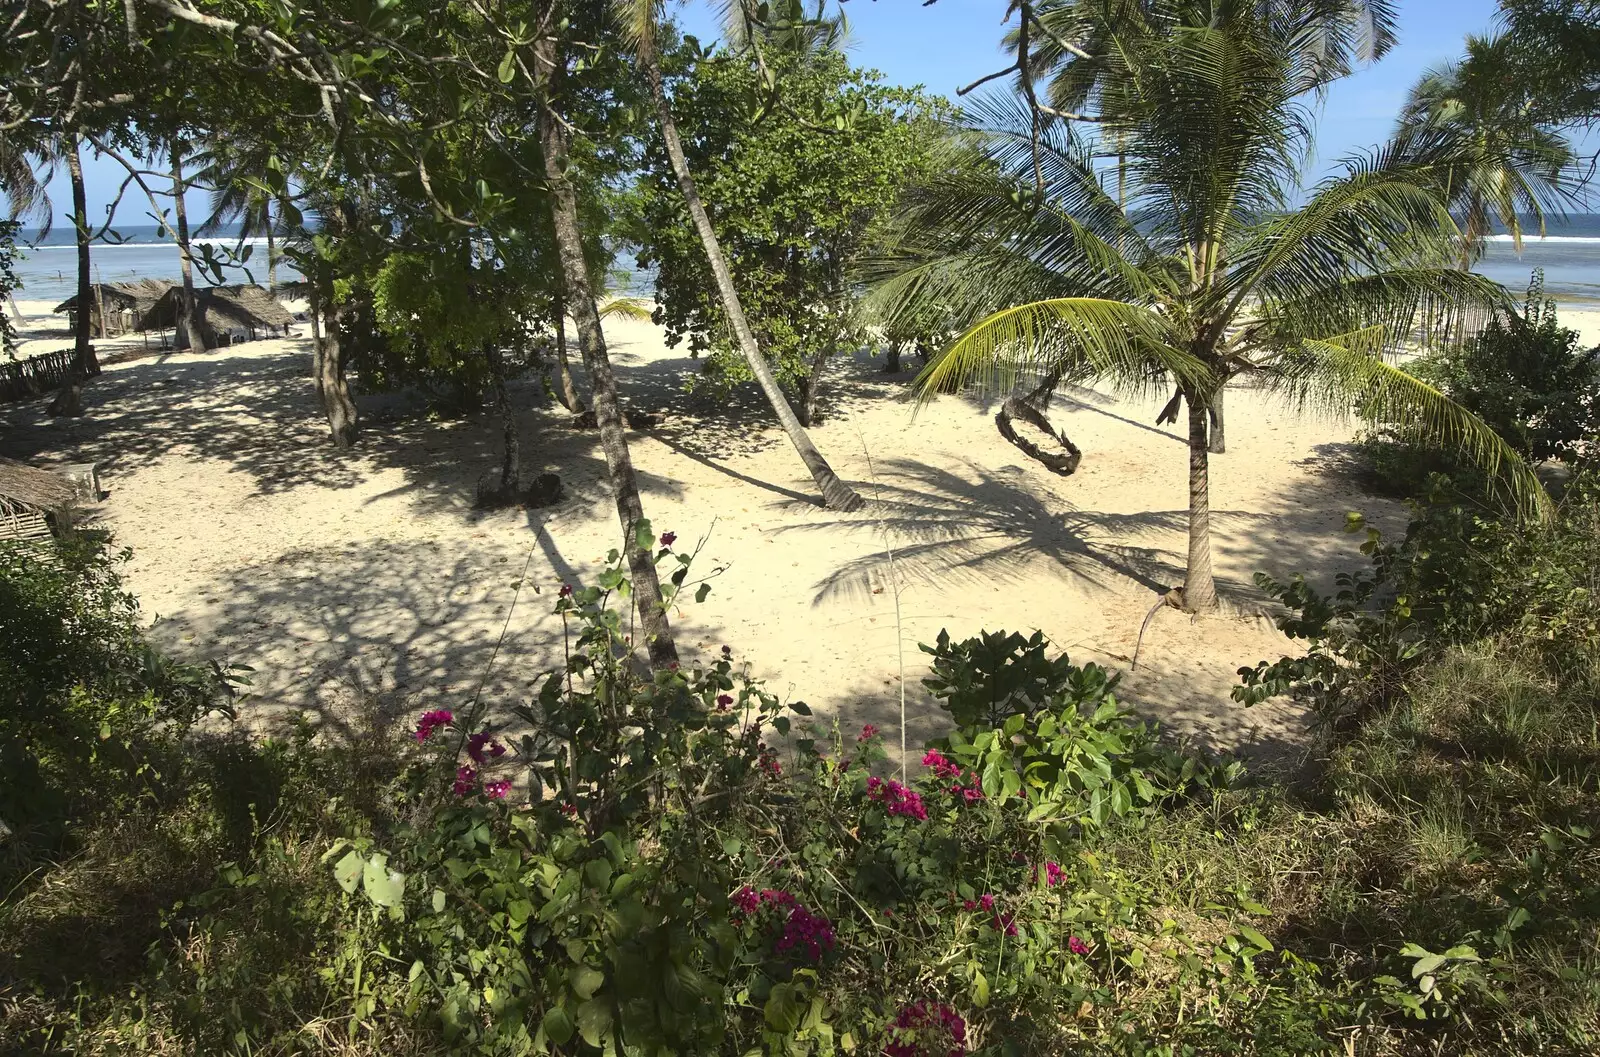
[30,499]
[127,307]
[225,312]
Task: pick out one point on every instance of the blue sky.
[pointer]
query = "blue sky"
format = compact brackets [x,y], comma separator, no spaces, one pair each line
[954,42]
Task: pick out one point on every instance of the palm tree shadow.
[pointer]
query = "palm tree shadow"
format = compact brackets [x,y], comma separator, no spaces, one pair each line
[946,527]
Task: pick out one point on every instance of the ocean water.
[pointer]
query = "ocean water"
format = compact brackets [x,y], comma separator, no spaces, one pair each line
[48,271]
[1569,255]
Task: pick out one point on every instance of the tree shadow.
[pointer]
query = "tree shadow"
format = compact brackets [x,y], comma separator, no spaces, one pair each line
[253,408]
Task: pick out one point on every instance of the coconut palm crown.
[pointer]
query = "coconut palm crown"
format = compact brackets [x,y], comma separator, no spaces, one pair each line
[1208,269]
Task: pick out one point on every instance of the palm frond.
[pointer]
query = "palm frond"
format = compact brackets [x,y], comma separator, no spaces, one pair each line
[1124,343]
[1410,306]
[635,309]
[1347,371]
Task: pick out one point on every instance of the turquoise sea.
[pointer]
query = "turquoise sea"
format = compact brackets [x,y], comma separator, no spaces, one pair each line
[1569,256]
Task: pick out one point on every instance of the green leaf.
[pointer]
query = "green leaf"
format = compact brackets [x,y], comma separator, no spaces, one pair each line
[508,66]
[800,707]
[1427,965]
[384,886]
[594,1021]
[347,871]
[557,1025]
[586,980]
[701,592]
[783,1009]
[1256,938]
[980,989]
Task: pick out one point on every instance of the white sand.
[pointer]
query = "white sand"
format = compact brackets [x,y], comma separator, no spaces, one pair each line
[368,573]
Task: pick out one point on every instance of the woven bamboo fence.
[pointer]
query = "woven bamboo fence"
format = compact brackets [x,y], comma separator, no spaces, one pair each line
[37,375]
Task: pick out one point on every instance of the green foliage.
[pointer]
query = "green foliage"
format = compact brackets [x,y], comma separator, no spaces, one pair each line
[796,176]
[8,283]
[1525,375]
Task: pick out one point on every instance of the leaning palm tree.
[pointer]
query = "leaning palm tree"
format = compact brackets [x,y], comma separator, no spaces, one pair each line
[639,20]
[1505,160]
[1205,271]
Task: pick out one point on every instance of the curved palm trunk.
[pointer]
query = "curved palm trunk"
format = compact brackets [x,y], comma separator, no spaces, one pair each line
[835,493]
[1199,586]
[602,380]
[189,330]
[511,463]
[1219,443]
[568,391]
[69,399]
[272,249]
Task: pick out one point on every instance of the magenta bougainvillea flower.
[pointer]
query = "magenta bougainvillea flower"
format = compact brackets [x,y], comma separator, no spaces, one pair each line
[1053,874]
[668,538]
[431,721]
[481,745]
[724,700]
[566,591]
[927,1029]
[868,732]
[1077,946]
[896,798]
[496,790]
[466,779]
[802,931]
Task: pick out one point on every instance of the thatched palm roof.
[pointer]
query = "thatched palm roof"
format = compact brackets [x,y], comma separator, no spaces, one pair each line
[141,296]
[34,487]
[223,308]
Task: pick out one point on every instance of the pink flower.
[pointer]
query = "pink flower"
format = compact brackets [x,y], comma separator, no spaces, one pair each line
[868,732]
[927,1029]
[745,900]
[479,745]
[941,765]
[1053,874]
[896,799]
[496,790]
[566,591]
[986,901]
[668,538]
[810,932]
[466,778]
[1077,946]
[1004,923]
[723,701]
[432,720]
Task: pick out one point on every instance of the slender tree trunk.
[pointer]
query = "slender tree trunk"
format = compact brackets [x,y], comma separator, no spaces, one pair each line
[316,338]
[568,390]
[811,384]
[891,358]
[511,464]
[337,403]
[272,249]
[835,493]
[1199,586]
[1218,444]
[190,332]
[68,400]
[592,343]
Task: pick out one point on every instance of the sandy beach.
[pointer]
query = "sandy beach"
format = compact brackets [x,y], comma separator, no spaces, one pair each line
[368,575]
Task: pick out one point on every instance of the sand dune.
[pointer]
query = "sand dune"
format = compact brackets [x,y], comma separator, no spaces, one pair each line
[340,576]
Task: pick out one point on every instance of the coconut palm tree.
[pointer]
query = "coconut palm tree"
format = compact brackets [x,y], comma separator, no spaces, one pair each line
[1506,160]
[246,180]
[1205,271]
[639,20]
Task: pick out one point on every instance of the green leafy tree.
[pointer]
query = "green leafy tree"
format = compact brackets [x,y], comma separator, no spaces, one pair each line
[794,191]
[1205,272]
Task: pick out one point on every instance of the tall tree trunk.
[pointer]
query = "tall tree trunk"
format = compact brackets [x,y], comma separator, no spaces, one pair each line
[568,391]
[190,332]
[891,358]
[1218,444]
[69,398]
[272,249]
[334,389]
[1199,586]
[835,493]
[511,464]
[551,61]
